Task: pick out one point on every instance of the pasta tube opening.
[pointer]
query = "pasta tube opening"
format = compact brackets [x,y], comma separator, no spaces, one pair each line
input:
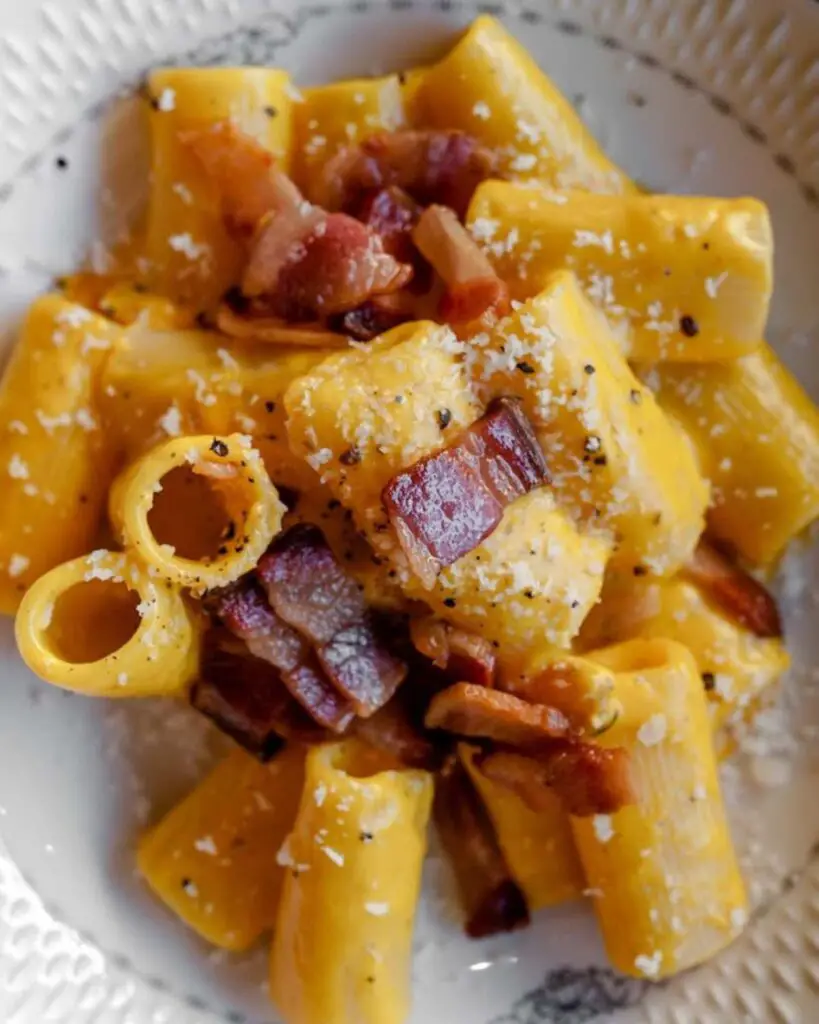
[101,625]
[108,612]
[240,497]
[203,532]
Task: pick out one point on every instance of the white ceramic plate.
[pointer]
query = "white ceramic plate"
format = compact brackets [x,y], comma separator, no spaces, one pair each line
[709,96]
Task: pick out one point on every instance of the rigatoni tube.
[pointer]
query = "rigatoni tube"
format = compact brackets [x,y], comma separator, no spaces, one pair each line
[191,255]
[668,890]
[489,86]
[56,462]
[104,626]
[680,278]
[212,858]
[343,939]
[232,513]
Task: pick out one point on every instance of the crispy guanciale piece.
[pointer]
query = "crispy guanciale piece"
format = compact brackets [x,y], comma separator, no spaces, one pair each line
[330,264]
[247,700]
[446,504]
[587,778]
[280,240]
[742,598]
[392,214]
[491,898]
[462,656]
[306,585]
[472,286]
[305,262]
[245,611]
[244,173]
[432,166]
[312,593]
[471,710]
[362,666]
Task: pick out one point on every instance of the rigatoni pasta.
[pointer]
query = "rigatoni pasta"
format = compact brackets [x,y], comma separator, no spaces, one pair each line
[238,482]
[56,461]
[341,949]
[679,278]
[212,858]
[756,434]
[102,625]
[737,667]
[191,255]
[489,86]
[160,384]
[538,845]
[668,889]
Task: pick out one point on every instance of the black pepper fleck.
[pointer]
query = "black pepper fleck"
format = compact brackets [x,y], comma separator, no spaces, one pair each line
[640,570]
[689,326]
[600,460]
[450,602]
[62,163]
[529,593]
[444,417]
[270,406]
[525,367]
[708,680]
[219,448]
[589,369]
[365,837]
[271,111]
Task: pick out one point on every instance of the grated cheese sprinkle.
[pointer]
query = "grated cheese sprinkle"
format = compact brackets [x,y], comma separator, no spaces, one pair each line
[166,101]
[18,469]
[18,565]
[652,731]
[603,828]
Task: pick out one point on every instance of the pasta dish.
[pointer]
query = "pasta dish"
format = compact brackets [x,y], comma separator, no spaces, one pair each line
[440,466]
